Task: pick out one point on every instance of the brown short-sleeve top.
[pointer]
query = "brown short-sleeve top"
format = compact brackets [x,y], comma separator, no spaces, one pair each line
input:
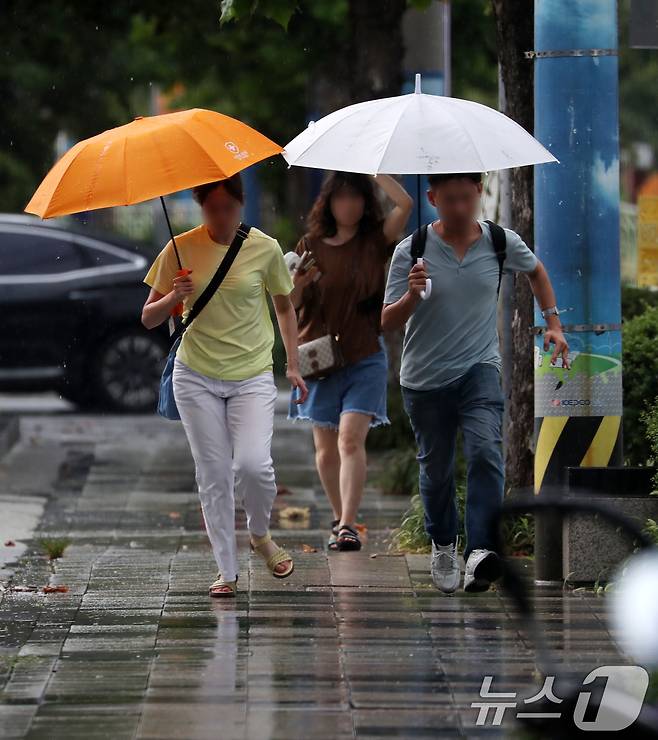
[347,299]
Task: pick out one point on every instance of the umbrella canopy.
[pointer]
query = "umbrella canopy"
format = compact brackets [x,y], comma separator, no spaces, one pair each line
[149,157]
[415,134]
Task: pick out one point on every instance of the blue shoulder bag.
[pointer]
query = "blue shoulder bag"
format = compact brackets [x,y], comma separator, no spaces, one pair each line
[166,401]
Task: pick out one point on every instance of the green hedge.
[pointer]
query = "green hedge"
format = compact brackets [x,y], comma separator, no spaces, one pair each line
[635,301]
[650,419]
[640,378]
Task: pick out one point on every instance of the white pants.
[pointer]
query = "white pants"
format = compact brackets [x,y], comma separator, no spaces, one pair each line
[229,424]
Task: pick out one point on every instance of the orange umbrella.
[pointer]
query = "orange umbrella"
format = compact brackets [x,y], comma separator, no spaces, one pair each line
[148,158]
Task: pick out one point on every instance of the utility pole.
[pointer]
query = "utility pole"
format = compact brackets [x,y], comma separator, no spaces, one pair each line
[426,33]
[577,412]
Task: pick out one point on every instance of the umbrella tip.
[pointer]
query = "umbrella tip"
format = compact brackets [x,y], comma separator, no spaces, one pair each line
[417,88]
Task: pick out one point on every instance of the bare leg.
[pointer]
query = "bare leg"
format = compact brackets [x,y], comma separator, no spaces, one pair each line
[352,434]
[327,461]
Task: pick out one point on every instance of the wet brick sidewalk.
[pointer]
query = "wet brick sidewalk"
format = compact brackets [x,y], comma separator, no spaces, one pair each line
[352,645]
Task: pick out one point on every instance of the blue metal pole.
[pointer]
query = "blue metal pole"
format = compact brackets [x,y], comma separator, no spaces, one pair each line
[252,188]
[577,412]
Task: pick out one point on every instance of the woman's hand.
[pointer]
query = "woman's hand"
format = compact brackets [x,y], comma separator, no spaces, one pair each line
[183,286]
[302,278]
[297,382]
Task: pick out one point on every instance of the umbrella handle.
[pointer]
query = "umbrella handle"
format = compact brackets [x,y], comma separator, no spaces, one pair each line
[177,310]
[425,294]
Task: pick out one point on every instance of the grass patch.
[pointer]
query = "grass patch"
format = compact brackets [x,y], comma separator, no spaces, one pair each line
[411,536]
[651,529]
[519,535]
[400,477]
[54,547]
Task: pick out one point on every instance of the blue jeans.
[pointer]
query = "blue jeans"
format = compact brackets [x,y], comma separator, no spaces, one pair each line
[475,403]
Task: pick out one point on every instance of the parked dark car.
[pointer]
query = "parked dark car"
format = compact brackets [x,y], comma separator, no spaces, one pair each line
[71,305]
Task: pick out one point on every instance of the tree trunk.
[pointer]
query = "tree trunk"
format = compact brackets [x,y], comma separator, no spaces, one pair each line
[376,48]
[515,35]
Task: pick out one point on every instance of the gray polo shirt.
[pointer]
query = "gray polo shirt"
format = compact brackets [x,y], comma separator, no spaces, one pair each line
[455,328]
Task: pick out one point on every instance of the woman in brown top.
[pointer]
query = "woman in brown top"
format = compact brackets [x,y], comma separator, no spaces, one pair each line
[342,294]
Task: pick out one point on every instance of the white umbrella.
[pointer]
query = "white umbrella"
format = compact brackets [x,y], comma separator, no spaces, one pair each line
[415,134]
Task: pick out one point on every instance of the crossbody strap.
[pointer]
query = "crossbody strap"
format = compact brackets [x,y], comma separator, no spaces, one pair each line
[240,235]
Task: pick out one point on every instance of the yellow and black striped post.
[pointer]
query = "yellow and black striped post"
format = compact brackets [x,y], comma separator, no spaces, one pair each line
[563,442]
[572,441]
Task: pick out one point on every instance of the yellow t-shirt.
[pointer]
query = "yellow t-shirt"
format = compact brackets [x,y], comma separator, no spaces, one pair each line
[232,337]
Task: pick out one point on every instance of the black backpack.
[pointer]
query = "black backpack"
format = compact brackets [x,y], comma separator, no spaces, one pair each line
[498,237]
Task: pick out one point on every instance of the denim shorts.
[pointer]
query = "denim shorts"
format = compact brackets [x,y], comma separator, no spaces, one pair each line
[359,387]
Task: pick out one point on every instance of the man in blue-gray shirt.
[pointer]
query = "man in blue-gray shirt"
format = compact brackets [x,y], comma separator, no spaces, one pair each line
[450,368]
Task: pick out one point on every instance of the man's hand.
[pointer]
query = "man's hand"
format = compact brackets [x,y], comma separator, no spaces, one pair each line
[545,295]
[417,280]
[556,337]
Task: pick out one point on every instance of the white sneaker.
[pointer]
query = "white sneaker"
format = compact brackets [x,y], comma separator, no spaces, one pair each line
[483,567]
[445,567]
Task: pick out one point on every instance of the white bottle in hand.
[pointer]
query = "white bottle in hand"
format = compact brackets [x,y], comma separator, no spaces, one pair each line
[425,294]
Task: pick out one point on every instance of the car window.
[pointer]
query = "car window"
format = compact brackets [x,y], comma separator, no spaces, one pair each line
[99,257]
[27,253]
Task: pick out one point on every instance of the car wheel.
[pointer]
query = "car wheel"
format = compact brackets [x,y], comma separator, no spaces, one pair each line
[127,371]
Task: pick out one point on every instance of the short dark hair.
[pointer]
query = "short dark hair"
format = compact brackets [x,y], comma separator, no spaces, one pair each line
[232,185]
[475,177]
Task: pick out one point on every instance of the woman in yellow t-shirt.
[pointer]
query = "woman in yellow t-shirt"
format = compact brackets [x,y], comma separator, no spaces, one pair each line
[223,382]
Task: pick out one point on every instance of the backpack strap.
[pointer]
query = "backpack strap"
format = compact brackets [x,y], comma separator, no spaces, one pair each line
[418,240]
[499,239]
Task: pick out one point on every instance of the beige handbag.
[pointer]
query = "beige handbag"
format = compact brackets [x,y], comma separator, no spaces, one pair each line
[320,357]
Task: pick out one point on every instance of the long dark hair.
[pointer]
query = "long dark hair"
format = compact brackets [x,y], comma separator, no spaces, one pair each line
[321,221]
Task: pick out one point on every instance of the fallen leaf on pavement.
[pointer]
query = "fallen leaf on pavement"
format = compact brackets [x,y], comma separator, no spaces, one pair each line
[309,548]
[295,512]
